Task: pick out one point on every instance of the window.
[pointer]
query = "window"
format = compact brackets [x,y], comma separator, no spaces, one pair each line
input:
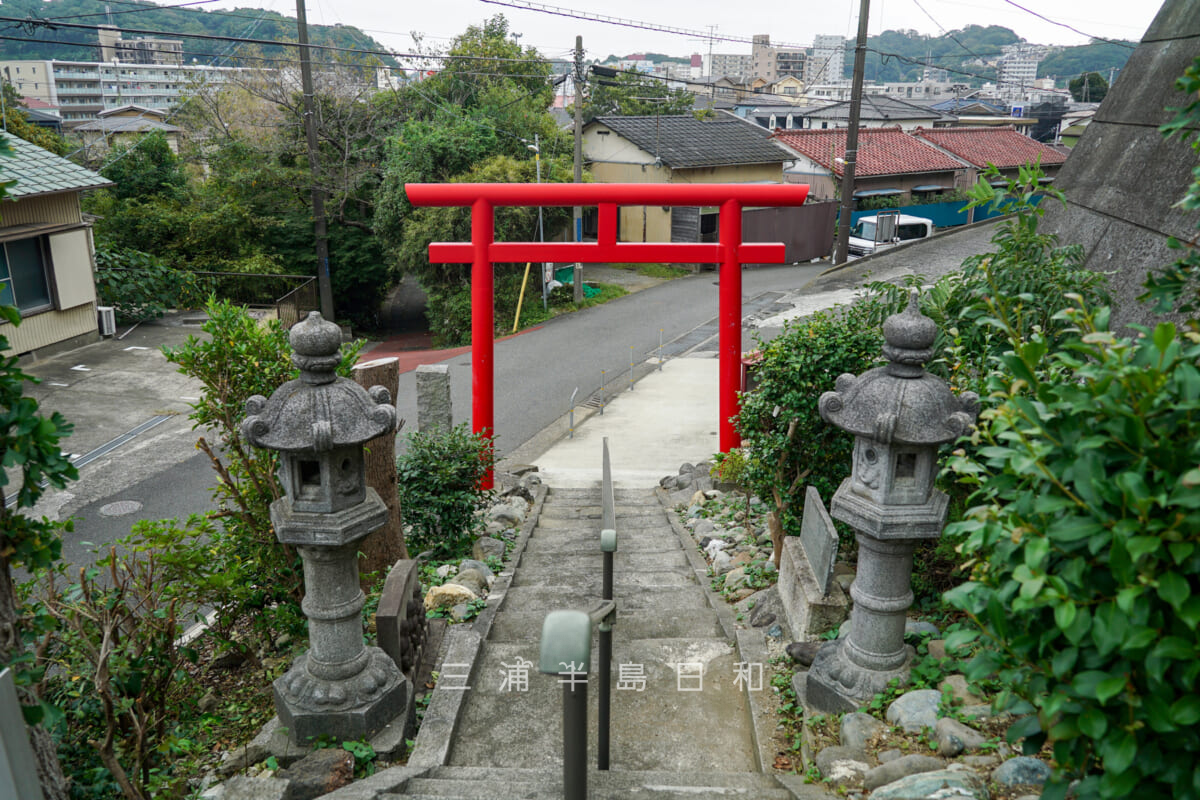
[23,276]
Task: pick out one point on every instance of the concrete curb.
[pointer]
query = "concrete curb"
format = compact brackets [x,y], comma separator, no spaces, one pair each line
[941,234]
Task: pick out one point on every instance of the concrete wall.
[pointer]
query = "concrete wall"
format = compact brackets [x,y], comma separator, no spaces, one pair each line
[1122,178]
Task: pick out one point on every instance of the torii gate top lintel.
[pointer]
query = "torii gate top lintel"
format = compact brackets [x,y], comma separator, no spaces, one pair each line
[483,251]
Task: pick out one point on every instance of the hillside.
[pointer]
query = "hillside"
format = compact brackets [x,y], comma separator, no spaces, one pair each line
[25,41]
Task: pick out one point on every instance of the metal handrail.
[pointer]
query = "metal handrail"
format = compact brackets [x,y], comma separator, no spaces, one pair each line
[566,651]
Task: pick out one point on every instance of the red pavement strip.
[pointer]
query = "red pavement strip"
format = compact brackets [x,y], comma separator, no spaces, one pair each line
[401,348]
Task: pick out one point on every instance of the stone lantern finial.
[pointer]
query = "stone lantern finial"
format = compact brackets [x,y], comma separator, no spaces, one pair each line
[909,339]
[316,348]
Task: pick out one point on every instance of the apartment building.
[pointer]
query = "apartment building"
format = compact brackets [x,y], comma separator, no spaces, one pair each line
[82,89]
[1017,70]
[718,65]
[772,63]
[826,60]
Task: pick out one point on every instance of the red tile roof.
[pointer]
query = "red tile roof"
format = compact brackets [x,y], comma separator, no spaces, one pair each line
[881,151]
[1002,146]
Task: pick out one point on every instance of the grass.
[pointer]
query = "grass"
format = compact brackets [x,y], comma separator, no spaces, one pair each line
[532,312]
[663,271]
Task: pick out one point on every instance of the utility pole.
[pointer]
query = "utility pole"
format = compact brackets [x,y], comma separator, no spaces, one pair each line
[577,281]
[318,194]
[860,62]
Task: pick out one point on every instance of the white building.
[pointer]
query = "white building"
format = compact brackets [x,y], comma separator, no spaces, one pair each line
[826,60]
[1017,70]
[82,89]
[719,65]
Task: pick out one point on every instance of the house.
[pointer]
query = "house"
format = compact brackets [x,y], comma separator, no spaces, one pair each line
[876,111]
[890,162]
[788,89]
[46,253]
[1002,146]
[125,126]
[677,149]
[772,115]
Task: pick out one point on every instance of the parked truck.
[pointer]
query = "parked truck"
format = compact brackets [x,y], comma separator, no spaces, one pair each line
[886,229]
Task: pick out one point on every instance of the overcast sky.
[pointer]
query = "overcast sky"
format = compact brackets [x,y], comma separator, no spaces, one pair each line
[793,22]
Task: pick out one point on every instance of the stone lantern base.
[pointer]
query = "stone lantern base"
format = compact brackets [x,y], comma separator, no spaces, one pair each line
[347,710]
[833,684]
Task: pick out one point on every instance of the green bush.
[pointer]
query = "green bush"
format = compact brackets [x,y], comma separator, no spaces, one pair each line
[787,442]
[1086,531]
[440,478]
[140,286]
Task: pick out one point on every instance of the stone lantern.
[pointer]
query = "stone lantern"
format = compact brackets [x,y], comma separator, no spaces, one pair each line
[899,415]
[318,423]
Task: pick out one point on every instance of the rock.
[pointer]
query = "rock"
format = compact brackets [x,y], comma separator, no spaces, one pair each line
[242,757]
[208,702]
[763,539]
[844,582]
[229,659]
[857,728]
[715,546]
[953,738]
[703,527]
[956,687]
[916,710]
[920,627]
[721,563]
[283,641]
[480,567]
[769,567]
[762,608]
[741,594]
[694,510]
[698,498]
[243,787]
[945,784]
[669,482]
[459,612]
[839,764]
[472,579]
[487,546]
[687,469]
[742,559]
[446,570]
[735,578]
[494,528]
[447,595]
[885,756]
[318,773]
[803,653]
[900,768]
[978,711]
[775,631]
[937,648]
[506,515]
[1021,771]
[980,762]
[531,481]
[845,629]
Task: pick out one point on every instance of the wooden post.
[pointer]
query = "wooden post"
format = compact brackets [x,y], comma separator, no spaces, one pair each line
[383,548]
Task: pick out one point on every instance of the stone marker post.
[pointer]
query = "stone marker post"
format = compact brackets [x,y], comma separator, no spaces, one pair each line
[384,547]
[433,398]
[318,423]
[899,415]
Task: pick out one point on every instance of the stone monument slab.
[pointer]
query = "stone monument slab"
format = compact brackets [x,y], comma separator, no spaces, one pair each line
[819,538]
[433,398]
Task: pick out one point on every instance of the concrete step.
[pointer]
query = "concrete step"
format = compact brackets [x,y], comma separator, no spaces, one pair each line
[648,599]
[700,623]
[657,519]
[624,561]
[528,784]
[688,709]
[585,511]
[561,542]
[643,497]
[625,582]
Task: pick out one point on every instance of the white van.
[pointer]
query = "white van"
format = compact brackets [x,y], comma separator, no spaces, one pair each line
[886,229]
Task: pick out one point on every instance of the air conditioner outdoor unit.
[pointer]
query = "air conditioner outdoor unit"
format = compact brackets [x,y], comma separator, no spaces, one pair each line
[108,320]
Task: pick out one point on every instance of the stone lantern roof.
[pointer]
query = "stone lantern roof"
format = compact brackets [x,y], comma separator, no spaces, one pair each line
[901,403]
[318,411]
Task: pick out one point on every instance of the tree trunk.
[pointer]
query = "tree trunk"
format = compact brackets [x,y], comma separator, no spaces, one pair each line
[384,547]
[49,771]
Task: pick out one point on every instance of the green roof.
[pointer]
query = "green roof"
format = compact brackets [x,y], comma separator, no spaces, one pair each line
[38,171]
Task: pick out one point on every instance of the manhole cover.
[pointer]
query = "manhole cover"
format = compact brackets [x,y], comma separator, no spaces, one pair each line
[120,508]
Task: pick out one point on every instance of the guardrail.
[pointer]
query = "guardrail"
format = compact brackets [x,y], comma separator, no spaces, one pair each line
[566,651]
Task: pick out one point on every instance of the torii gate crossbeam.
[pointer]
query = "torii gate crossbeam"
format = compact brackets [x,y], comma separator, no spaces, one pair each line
[482,252]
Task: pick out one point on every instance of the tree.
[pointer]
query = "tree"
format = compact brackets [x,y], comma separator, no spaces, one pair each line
[16,123]
[28,442]
[146,169]
[618,93]
[1089,87]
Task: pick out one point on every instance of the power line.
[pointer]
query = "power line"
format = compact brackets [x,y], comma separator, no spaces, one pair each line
[1068,27]
[130,10]
[558,11]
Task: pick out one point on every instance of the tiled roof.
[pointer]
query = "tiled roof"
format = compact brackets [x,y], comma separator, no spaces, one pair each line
[126,125]
[1001,146]
[881,151]
[37,171]
[684,141]
[878,108]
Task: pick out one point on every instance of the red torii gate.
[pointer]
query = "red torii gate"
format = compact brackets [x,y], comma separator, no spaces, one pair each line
[483,251]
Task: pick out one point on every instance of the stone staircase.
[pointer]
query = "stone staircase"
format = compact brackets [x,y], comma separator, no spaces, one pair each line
[686,734]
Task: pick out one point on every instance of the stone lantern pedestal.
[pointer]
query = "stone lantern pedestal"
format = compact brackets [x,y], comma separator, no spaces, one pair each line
[318,423]
[899,414]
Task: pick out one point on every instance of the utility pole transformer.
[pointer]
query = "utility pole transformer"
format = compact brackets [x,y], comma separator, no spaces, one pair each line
[577,275]
[318,194]
[860,62]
